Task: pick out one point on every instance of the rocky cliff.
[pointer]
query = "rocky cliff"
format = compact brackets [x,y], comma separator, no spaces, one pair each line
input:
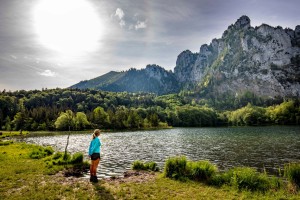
[263,60]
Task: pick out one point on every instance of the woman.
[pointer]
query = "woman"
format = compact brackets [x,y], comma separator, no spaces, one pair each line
[94,154]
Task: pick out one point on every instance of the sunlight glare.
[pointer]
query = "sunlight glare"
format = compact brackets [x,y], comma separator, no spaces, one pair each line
[67,26]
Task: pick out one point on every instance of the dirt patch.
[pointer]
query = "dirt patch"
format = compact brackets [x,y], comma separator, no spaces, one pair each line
[130,176]
[133,176]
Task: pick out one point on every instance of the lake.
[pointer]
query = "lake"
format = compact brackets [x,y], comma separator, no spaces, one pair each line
[260,147]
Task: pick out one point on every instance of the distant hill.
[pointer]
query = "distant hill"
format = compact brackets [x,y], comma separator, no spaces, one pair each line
[153,79]
[263,60]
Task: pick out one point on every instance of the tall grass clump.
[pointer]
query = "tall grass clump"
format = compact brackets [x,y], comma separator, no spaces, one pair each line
[41,152]
[246,178]
[77,158]
[176,167]
[74,164]
[292,173]
[181,168]
[139,165]
[5,142]
[242,178]
[249,179]
[201,170]
[60,158]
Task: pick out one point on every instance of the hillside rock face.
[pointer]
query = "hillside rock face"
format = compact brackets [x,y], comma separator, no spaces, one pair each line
[264,60]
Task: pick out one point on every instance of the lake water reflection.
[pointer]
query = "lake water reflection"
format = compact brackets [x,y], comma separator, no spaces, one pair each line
[259,147]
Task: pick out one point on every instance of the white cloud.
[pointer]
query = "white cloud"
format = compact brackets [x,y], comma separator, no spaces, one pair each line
[120,14]
[13,56]
[140,25]
[47,73]
[122,23]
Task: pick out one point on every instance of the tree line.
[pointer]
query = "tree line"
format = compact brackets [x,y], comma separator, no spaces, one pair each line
[73,109]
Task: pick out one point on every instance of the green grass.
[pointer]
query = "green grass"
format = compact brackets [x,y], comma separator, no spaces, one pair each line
[292,173]
[201,170]
[246,178]
[180,168]
[165,188]
[40,152]
[176,167]
[22,177]
[139,165]
[6,134]
[5,142]
[241,178]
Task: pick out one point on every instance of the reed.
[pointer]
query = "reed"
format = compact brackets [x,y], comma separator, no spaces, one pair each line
[292,173]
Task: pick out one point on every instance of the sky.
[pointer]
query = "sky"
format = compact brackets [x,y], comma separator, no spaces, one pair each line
[57,43]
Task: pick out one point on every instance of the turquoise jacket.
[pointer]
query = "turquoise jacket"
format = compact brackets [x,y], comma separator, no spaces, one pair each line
[95,146]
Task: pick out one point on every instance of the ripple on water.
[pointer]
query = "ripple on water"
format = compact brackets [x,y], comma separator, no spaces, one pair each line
[259,147]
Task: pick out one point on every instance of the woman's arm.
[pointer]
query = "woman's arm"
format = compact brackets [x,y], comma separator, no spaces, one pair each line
[91,148]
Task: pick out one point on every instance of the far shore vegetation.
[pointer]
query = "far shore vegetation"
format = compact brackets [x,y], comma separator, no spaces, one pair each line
[34,172]
[73,109]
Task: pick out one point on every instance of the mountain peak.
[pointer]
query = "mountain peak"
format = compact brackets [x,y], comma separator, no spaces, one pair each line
[242,22]
[263,60]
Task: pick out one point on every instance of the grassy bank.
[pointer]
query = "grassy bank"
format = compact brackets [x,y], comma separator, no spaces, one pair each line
[7,134]
[164,188]
[24,175]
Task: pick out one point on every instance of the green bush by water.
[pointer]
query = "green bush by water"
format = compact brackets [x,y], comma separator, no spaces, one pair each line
[246,178]
[77,158]
[59,161]
[180,168]
[5,142]
[201,170]
[139,165]
[60,158]
[242,178]
[292,173]
[176,167]
[249,179]
[41,152]
[72,163]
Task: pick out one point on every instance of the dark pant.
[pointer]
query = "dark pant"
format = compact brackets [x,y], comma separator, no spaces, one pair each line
[95,156]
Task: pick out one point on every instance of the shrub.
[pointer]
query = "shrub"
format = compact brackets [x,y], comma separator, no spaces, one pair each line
[57,155]
[66,156]
[201,170]
[248,178]
[292,173]
[37,154]
[60,158]
[245,178]
[275,182]
[48,150]
[139,165]
[181,168]
[220,179]
[152,166]
[176,167]
[6,142]
[77,158]
[40,152]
